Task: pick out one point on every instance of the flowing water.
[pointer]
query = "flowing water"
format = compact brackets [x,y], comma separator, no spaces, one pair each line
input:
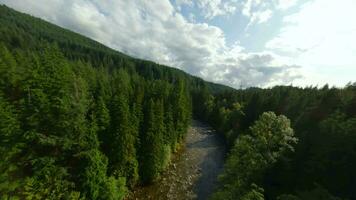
[193,171]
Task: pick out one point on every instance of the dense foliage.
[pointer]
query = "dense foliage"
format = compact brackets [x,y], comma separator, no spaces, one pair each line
[324,121]
[79,120]
[79,129]
[252,153]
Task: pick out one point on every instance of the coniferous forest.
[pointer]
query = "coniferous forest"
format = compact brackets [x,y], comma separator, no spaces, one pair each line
[79,120]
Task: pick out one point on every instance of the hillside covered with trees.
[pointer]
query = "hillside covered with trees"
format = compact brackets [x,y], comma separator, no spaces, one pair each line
[268,160]
[79,120]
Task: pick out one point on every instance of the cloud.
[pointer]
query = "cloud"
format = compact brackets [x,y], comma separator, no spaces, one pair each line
[210,8]
[157,31]
[321,40]
[285,4]
[261,11]
[213,8]
[257,11]
[258,69]
[180,3]
[259,18]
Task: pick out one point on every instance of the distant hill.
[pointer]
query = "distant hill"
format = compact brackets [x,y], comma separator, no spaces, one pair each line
[79,120]
[19,30]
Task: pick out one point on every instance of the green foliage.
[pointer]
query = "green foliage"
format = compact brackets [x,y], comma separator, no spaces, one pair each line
[48,182]
[255,193]
[92,174]
[323,121]
[317,193]
[121,141]
[79,120]
[113,189]
[268,139]
[272,135]
[10,147]
[152,145]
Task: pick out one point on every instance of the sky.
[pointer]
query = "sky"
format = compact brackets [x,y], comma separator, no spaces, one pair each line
[240,43]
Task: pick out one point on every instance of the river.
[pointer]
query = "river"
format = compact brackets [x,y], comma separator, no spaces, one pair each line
[193,171]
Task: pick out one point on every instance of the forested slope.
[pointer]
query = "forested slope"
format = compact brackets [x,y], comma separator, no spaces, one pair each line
[80,120]
[268,161]
[22,31]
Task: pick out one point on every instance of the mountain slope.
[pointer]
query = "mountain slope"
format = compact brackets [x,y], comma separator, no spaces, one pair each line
[23,31]
[79,120]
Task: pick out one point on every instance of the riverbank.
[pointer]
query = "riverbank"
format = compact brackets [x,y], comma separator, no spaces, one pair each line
[193,171]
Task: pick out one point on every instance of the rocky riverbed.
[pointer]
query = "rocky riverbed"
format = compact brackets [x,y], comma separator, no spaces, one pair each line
[193,171]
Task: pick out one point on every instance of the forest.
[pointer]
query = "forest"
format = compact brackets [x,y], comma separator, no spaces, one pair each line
[79,120]
[285,142]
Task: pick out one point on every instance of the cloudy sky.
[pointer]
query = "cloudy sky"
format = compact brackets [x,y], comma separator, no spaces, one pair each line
[240,43]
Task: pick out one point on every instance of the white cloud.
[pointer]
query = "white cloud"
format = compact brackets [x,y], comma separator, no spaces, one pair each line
[261,11]
[184,2]
[263,16]
[257,11]
[155,30]
[285,4]
[213,8]
[321,37]
[254,69]
[259,18]
[210,8]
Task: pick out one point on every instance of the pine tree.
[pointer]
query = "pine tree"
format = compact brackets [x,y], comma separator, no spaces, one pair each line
[10,148]
[152,145]
[122,153]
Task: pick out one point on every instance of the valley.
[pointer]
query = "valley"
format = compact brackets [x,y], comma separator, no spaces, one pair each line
[193,171]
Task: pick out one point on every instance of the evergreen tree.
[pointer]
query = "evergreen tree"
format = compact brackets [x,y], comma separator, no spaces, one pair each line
[152,143]
[122,154]
[11,145]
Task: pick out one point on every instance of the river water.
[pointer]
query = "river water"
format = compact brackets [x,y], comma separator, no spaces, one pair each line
[193,171]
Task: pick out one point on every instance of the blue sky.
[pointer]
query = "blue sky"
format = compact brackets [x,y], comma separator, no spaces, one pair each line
[236,25]
[235,42]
